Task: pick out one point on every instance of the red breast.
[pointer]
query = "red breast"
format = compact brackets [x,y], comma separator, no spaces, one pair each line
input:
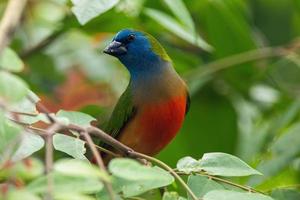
[155,125]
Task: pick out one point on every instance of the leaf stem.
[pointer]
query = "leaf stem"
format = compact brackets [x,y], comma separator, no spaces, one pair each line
[107,151]
[247,188]
[99,161]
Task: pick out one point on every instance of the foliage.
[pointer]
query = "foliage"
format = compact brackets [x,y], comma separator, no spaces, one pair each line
[240,59]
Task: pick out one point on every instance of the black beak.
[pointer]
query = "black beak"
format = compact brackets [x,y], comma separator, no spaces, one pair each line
[115,49]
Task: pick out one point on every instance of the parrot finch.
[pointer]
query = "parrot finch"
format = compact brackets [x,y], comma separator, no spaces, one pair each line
[151,110]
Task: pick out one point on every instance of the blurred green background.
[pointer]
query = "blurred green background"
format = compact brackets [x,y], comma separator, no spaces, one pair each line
[244,90]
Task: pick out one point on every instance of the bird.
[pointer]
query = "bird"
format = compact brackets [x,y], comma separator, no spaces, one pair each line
[151,110]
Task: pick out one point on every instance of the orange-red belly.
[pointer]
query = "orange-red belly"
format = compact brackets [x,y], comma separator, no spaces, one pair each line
[154,126]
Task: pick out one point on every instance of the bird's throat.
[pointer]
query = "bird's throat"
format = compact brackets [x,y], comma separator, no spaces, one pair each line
[157,86]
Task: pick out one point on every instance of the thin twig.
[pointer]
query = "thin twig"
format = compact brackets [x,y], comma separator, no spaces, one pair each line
[19,122]
[246,188]
[42,109]
[25,113]
[107,151]
[36,129]
[10,21]
[41,45]
[9,150]
[109,140]
[131,153]
[49,158]
[49,39]
[99,162]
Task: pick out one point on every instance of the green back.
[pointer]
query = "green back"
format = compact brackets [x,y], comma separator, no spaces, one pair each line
[123,112]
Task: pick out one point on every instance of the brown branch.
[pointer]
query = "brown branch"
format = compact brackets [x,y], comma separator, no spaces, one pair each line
[109,140]
[40,46]
[49,39]
[99,161]
[218,179]
[105,138]
[49,158]
[101,149]
[246,188]
[43,109]
[10,21]
[117,145]
[25,113]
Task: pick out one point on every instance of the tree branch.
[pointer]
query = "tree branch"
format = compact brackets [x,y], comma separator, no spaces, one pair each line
[246,188]
[10,21]
[49,158]
[121,147]
[99,161]
[41,45]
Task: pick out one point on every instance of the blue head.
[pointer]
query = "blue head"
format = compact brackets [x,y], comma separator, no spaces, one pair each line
[139,52]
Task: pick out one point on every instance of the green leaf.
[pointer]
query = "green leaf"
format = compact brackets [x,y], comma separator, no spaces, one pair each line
[223,164]
[227,27]
[26,105]
[12,88]
[172,196]
[229,31]
[103,195]
[285,194]
[232,195]
[78,118]
[140,178]
[173,26]
[10,61]
[72,196]
[79,168]
[30,143]
[188,165]
[21,195]
[153,195]
[70,145]
[66,184]
[291,139]
[181,12]
[201,185]
[33,119]
[280,157]
[28,170]
[85,10]
[8,133]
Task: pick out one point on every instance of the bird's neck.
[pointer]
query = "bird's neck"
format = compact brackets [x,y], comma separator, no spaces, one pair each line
[145,67]
[156,83]
[148,72]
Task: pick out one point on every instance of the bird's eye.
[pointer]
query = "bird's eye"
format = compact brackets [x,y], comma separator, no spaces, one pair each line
[131,37]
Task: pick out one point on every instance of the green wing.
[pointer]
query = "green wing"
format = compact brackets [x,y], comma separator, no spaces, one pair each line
[123,112]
